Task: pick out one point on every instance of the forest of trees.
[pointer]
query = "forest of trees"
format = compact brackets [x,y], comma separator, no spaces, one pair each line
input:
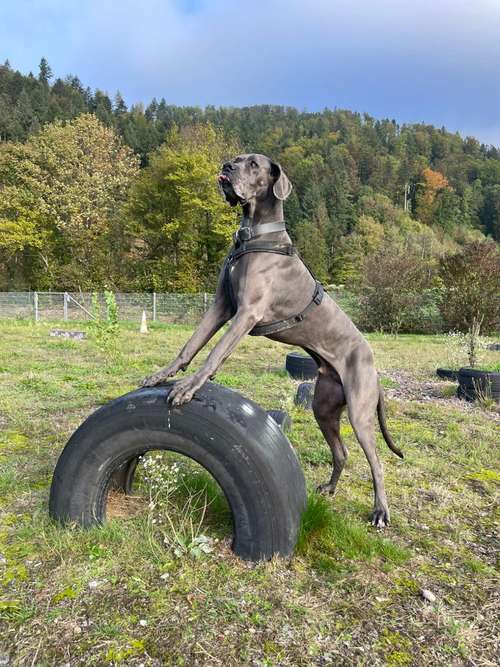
[93,193]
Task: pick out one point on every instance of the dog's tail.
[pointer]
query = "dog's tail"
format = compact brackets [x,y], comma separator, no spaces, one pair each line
[383,424]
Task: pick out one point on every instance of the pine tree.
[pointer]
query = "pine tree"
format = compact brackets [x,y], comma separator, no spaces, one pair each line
[120,107]
[45,71]
[490,213]
[151,110]
[25,117]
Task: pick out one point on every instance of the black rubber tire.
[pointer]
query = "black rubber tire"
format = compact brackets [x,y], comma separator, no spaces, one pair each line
[301,366]
[282,418]
[230,436]
[123,478]
[446,374]
[305,394]
[474,384]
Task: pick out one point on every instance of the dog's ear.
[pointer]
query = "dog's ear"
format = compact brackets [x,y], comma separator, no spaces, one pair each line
[282,186]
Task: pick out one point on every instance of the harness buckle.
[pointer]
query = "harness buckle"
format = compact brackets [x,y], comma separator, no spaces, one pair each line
[318,295]
[244,234]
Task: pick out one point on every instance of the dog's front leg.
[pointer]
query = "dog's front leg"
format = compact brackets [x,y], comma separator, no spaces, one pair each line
[242,323]
[216,316]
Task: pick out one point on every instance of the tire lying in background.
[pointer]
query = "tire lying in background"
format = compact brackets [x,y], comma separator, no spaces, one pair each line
[475,384]
[446,374]
[301,366]
[230,436]
[305,394]
[282,418]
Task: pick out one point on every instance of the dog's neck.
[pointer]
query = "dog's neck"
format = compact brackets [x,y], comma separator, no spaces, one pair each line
[259,212]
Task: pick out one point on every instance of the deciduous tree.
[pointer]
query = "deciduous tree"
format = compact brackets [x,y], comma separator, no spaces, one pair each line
[60,194]
[176,209]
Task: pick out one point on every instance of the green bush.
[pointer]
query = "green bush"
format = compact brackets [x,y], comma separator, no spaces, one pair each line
[397,292]
[105,328]
[471,287]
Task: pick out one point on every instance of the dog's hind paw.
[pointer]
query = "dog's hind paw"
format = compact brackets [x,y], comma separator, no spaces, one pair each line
[326,489]
[380,518]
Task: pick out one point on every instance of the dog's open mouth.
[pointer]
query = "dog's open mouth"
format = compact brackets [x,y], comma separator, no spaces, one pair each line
[228,190]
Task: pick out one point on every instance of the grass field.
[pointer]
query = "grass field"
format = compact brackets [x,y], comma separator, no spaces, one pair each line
[351,596]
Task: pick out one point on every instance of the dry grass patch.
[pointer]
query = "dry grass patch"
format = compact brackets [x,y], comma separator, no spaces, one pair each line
[122,506]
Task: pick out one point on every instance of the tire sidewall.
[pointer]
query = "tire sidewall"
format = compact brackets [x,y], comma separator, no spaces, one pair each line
[232,438]
[474,382]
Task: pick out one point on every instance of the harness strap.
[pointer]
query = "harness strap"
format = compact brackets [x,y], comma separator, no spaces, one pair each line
[261,247]
[281,325]
[242,249]
[246,233]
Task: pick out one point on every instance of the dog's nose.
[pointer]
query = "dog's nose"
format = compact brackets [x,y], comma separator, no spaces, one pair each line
[227,166]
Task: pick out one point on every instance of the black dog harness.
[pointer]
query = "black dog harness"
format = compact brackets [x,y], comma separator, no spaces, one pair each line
[240,248]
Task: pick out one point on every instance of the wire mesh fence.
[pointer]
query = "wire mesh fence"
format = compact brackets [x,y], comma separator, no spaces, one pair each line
[416,313]
[47,306]
[160,307]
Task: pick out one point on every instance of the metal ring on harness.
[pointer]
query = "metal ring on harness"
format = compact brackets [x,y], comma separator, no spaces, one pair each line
[243,234]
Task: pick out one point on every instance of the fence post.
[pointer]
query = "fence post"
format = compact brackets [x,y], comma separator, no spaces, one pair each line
[35,305]
[154,306]
[65,306]
[205,302]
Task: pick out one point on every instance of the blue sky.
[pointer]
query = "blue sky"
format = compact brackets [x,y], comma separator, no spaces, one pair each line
[433,61]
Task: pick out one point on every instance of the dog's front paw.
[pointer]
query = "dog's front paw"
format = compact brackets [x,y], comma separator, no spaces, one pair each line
[154,379]
[164,374]
[183,390]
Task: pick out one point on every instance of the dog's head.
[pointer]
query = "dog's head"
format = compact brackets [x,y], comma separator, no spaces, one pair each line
[253,176]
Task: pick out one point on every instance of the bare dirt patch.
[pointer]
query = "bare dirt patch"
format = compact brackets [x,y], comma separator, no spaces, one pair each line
[436,391]
[121,506]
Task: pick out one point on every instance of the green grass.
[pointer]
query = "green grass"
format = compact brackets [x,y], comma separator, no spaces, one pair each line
[115,595]
[329,541]
[491,368]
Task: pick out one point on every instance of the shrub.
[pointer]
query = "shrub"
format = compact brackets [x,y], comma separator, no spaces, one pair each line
[471,287]
[465,348]
[397,292]
[105,329]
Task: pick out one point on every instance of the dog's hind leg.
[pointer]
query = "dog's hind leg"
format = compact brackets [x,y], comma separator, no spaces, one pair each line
[328,403]
[362,391]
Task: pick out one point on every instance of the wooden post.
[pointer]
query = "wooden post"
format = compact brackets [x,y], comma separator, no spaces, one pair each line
[205,302]
[65,306]
[35,305]
[154,306]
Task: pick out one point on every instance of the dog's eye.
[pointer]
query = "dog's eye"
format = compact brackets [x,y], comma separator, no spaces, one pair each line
[253,164]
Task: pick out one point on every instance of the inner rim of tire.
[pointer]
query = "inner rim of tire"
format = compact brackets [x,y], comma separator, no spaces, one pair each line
[172,491]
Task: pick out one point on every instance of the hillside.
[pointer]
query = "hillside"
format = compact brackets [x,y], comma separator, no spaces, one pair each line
[358,182]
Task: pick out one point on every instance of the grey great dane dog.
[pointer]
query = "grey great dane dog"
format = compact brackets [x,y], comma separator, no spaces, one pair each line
[258,287]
